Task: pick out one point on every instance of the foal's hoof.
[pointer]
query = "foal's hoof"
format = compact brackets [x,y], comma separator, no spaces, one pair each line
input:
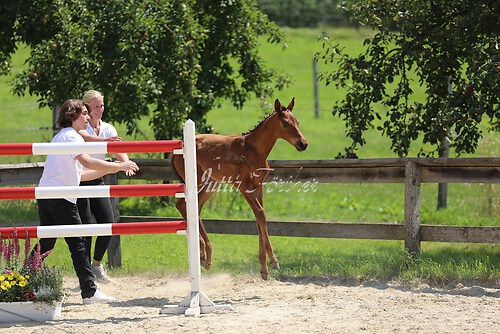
[275,265]
[264,276]
[206,265]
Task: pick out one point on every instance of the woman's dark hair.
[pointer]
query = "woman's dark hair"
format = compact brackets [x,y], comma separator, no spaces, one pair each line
[70,111]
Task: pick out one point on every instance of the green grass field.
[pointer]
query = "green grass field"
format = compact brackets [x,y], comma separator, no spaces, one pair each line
[468,204]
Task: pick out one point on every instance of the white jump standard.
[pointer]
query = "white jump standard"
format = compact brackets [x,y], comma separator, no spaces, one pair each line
[197,302]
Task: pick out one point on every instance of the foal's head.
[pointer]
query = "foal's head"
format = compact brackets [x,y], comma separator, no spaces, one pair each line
[289,125]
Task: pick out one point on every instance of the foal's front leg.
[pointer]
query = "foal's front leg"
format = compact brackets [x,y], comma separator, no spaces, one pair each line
[255,199]
[273,260]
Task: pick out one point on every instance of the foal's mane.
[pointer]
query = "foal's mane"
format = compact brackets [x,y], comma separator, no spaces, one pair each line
[258,124]
[283,108]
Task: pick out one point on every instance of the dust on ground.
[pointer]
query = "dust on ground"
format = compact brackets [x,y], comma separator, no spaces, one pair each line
[276,306]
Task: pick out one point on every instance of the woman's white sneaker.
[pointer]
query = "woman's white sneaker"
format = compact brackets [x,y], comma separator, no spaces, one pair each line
[98,297]
[100,274]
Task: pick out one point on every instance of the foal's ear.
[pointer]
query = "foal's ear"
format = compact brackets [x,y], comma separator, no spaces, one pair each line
[292,103]
[277,105]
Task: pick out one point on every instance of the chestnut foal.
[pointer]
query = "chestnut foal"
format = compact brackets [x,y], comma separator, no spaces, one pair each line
[241,160]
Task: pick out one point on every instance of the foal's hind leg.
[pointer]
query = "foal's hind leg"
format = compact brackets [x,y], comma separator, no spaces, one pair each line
[206,262]
[205,244]
[181,206]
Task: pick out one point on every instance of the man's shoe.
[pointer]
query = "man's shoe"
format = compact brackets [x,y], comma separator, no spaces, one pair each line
[98,297]
[100,274]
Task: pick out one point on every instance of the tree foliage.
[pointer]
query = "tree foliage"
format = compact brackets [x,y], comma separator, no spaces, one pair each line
[435,44]
[165,59]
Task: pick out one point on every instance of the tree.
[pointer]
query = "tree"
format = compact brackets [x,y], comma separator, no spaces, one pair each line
[444,44]
[165,59]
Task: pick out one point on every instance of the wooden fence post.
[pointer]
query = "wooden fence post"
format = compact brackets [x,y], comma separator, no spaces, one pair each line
[412,209]
[114,248]
[315,82]
[442,200]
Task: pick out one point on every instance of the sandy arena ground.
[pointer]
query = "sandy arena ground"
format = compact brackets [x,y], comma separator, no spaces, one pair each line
[274,306]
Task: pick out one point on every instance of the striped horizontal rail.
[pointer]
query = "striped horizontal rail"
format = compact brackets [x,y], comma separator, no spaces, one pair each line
[91,147]
[94,229]
[132,190]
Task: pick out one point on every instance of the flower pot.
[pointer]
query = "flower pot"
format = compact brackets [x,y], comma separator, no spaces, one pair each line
[29,311]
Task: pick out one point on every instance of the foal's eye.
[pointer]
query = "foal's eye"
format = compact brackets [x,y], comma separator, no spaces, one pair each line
[285,124]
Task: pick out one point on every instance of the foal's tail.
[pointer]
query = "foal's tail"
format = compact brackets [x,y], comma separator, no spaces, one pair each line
[174,169]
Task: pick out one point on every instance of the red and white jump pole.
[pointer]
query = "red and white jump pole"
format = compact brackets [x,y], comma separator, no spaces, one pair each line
[133,190]
[94,229]
[91,147]
[196,302]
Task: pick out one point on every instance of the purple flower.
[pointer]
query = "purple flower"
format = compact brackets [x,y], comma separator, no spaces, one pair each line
[27,247]
[15,245]
[3,248]
[36,259]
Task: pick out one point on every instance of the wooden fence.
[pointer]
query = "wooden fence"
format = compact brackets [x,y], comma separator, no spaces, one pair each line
[410,171]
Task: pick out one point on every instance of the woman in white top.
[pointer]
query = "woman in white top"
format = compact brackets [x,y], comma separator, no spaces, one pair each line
[67,170]
[100,208]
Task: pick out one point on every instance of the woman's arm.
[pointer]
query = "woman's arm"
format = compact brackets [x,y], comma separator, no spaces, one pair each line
[88,137]
[124,157]
[97,167]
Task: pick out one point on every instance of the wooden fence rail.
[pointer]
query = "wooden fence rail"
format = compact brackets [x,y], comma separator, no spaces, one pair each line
[448,170]
[410,171]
